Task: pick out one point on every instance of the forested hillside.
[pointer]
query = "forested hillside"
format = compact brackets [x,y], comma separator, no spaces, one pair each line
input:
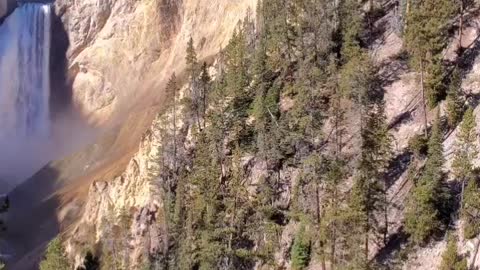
[283,152]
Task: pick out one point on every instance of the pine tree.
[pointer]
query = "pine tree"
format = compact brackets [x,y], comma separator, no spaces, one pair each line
[335,176]
[357,224]
[276,29]
[204,204]
[259,104]
[451,260]
[196,89]
[425,38]
[55,258]
[455,103]
[465,150]
[424,206]
[191,60]
[300,249]
[237,209]
[352,24]
[314,182]
[205,80]
[471,210]
[237,80]
[434,84]
[172,102]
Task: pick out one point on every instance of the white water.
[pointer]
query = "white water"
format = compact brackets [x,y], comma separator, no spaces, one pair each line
[24,73]
[25,125]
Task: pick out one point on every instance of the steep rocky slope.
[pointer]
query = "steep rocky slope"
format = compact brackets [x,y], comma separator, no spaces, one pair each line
[135,189]
[119,56]
[122,51]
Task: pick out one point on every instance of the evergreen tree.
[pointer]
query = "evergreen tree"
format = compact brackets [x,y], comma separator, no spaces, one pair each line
[55,258]
[351,25]
[424,206]
[205,179]
[471,210]
[455,103]
[313,183]
[465,150]
[172,103]
[191,60]
[360,83]
[237,80]
[196,89]
[300,250]
[205,86]
[451,260]
[276,30]
[434,84]
[237,209]
[425,38]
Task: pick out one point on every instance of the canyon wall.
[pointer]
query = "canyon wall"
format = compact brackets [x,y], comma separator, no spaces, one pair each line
[121,52]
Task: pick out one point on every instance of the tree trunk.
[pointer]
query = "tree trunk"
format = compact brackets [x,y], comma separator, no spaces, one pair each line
[334,233]
[407,10]
[367,229]
[175,132]
[422,85]
[385,212]
[204,97]
[461,194]
[460,30]
[367,225]
[318,217]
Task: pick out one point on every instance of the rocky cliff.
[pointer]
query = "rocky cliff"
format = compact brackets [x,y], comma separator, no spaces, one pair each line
[136,189]
[120,55]
[121,52]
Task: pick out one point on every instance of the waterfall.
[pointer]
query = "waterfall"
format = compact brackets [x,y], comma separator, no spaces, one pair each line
[25,128]
[24,73]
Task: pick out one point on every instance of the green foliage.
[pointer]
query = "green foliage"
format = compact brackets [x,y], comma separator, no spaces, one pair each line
[425,38]
[352,24]
[55,258]
[191,60]
[465,153]
[434,84]
[421,217]
[471,210]
[359,80]
[455,103]
[418,144]
[276,29]
[301,249]
[435,161]
[424,206]
[465,149]
[425,33]
[451,260]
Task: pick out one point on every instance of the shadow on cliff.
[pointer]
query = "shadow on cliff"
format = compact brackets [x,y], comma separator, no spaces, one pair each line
[32,219]
[61,85]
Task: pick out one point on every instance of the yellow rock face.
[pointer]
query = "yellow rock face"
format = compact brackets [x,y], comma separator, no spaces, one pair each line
[121,51]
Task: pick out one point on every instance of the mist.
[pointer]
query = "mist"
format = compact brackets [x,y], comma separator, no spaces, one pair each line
[30,134]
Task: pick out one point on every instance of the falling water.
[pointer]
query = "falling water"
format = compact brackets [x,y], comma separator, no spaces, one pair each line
[25,128]
[24,73]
